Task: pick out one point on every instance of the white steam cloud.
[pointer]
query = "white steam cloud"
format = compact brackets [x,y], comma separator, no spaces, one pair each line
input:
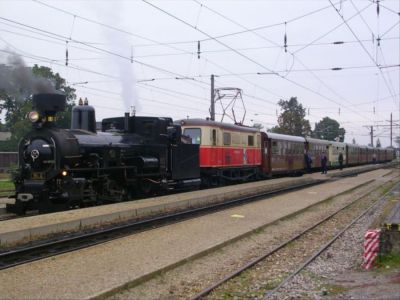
[120,45]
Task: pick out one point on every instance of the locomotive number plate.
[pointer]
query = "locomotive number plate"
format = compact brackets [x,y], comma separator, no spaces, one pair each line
[38,175]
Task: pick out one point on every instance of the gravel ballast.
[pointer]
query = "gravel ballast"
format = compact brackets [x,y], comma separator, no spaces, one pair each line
[189,279]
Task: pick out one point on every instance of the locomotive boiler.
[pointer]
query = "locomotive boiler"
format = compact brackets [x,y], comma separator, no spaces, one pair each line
[131,155]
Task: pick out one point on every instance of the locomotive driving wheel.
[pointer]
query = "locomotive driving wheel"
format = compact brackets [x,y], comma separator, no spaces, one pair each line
[145,187]
[118,192]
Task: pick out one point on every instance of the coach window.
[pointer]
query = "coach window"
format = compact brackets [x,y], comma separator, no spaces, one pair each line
[227,138]
[250,140]
[214,137]
[194,134]
[275,148]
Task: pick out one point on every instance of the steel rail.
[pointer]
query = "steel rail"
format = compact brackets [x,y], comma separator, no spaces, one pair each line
[44,249]
[209,289]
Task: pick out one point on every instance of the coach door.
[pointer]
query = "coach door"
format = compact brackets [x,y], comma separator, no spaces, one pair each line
[266,154]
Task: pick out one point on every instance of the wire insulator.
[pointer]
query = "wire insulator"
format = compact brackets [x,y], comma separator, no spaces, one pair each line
[377,7]
[198,50]
[285,39]
[66,53]
[131,54]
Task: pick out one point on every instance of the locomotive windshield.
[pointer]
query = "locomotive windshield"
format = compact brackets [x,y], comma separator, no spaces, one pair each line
[194,134]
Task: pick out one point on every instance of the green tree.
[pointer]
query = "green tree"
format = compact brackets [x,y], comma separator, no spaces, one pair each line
[16,107]
[329,129]
[292,120]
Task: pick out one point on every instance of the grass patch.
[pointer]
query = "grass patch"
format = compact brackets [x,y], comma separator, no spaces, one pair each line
[335,289]
[259,230]
[6,185]
[5,176]
[388,261]
[386,188]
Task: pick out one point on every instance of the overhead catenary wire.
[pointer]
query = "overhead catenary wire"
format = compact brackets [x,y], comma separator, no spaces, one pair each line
[363,47]
[114,28]
[73,14]
[98,48]
[293,55]
[244,56]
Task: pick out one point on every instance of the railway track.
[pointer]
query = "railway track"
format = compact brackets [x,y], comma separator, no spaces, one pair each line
[303,265]
[7,216]
[47,248]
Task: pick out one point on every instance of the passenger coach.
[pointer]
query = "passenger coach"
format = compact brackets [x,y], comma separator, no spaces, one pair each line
[283,153]
[227,152]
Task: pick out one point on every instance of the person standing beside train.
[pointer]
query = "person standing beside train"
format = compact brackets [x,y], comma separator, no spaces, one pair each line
[324,162]
[308,161]
[340,158]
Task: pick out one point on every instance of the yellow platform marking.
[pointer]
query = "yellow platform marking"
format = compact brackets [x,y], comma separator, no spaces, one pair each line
[237,216]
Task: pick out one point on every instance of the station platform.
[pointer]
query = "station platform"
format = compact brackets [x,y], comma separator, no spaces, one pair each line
[27,229]
[390,230]
[393,220]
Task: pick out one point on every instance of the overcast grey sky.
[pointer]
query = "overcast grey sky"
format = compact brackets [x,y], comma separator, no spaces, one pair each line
[144,53]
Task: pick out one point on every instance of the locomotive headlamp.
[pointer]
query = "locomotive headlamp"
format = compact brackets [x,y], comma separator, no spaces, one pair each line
[33,116]
[64,173]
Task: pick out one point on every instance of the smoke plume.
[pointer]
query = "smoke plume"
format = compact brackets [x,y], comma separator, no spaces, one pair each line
[119,44]
[18,80]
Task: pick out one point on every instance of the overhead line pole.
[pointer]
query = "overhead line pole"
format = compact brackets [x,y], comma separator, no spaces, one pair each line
[391,130]
[371,133]
[212,106]
[372,136]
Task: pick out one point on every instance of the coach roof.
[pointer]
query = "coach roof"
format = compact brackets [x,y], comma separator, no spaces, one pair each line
[292,138]
[210,123]
[317,141]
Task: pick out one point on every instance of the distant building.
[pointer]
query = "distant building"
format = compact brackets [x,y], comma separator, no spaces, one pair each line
[5,136]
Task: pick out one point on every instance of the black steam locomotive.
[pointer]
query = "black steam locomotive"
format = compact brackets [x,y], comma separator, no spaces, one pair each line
[132,155]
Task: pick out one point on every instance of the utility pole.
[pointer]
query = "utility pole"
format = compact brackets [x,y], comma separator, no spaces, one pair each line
[391,132]
[371,133]
[212,107]
[372,136]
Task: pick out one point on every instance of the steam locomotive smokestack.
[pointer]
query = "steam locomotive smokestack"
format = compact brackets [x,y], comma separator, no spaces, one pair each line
[49,104]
